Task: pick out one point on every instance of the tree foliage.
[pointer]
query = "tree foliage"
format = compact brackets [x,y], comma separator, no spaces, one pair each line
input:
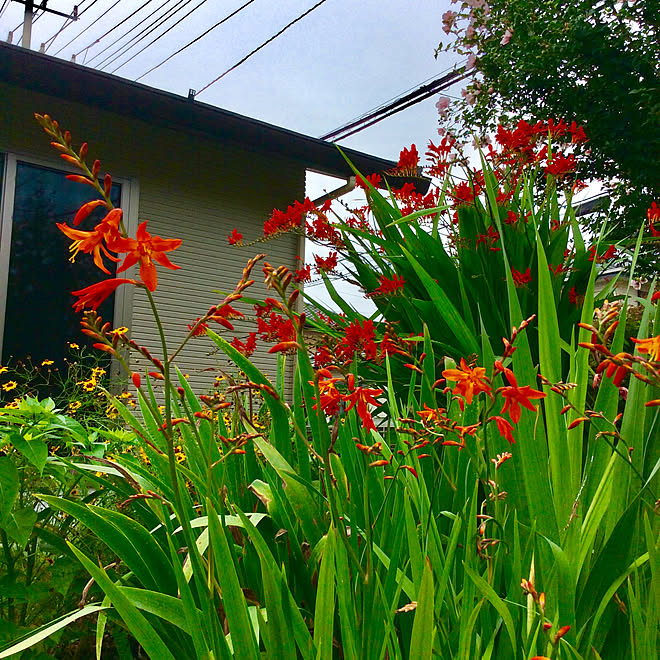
[594,62]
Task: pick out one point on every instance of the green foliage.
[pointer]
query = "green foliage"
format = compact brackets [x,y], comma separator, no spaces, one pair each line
[590,61]
[473,516]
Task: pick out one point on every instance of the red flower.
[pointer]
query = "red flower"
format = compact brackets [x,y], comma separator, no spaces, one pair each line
[520,279]
[359,398]
[330,396]
[146,249]
[574,297]
[463,194]
[359,336]
[608,254]
[92,296]
[248,347]
[235,238]
[653,214]
[326,264]
[91,242]
[388,287]
[373,179]
[303,274]
[505,429]
[515,396]
[408,161]
[200,329]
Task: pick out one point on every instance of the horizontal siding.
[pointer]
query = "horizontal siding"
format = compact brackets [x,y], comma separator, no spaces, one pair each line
[191,188]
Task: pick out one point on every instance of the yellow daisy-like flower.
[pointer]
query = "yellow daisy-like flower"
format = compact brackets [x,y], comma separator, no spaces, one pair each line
[47,363]
[88,385]
[73,406]
[98,371]
[119,331]
[11,385]
[73,346]
[3,370]
[16,403]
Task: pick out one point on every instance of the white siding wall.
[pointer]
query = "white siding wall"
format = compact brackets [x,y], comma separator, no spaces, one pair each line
[190,187]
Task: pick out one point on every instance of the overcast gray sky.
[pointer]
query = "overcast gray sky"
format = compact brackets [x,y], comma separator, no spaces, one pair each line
[342,60]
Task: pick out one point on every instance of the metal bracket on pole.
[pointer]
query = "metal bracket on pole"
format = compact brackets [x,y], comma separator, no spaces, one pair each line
[29,14]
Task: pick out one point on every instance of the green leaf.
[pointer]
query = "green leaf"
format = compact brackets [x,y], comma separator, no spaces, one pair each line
[45,631]
[8,487]
[137,624]
[19,525]
[445,308]
[492,597]
[421,641]
[324,613]
[233,599]
[35,451]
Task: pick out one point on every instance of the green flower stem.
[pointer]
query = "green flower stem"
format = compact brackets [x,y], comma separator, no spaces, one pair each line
[167,430]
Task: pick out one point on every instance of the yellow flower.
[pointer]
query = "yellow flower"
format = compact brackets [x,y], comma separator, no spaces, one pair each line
[119,331]
[47,363]
[88,385]
[97,371]
[15,403]
[650,346]
[73,406]
[73,345]
[12,384]
[3,370]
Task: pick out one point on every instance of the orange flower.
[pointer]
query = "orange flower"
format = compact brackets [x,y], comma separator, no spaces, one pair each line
[93,296]
[146,249]
[515,396]
[650,346]
[468,381]
[91,242]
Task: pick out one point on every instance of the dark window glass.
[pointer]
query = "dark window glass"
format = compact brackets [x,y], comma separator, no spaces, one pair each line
[39,320]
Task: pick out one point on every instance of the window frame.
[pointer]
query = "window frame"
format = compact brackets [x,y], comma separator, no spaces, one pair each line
[123,312]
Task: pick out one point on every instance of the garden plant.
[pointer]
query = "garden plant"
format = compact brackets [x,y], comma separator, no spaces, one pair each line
[469,473]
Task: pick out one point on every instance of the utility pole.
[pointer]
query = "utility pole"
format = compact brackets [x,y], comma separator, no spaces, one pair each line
[29,15]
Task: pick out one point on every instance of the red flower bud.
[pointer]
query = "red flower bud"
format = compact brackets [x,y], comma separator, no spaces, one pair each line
[137,381]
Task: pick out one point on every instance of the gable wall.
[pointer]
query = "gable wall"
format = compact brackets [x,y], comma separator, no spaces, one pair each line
[190,187]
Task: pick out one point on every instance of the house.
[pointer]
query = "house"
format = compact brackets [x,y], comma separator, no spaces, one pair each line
[193,171]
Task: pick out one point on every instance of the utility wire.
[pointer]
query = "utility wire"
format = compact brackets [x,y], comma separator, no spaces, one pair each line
[196,39]
[162,34]
[114,27]
[135,27]
[5,4]
[67,22]
[87,28]
[258,48]
[395,98]
[403,103]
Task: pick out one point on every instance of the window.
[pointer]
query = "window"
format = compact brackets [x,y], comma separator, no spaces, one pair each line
[38,275]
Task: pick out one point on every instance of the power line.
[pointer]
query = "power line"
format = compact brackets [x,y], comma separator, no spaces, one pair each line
[5,4]
[196,39]
[114,27]
[419,95]
[395,98]
[67,22]
[87,28]
[162,34]
[258,48]
[135,27]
